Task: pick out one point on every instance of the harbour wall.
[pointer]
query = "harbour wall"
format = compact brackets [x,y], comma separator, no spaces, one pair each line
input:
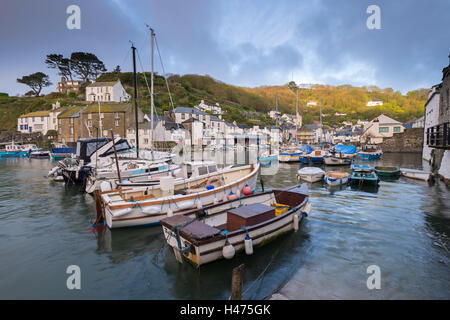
[411,140]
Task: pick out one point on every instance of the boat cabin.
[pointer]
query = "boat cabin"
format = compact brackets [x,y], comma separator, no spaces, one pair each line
[103,147]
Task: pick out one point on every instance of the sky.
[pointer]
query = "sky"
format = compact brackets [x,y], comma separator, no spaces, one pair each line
[240,42]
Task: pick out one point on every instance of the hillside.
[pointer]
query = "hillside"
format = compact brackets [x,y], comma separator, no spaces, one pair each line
[242,104]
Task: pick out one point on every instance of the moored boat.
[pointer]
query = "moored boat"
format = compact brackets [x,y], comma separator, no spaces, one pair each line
[13,150]
[364,178]
[138,206]
[311,174]
[388,172]
[235,225]
[40,155]
[416,174]
[315,156]
[335,178]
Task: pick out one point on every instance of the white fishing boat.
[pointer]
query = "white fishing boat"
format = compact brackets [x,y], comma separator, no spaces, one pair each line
[311,174]
[219,231]
[138,206]
[334,178]
[415,174]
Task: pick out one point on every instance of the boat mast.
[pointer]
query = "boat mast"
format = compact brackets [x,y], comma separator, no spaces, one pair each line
[321,124]
[296,120]
[135,100]
[151,93]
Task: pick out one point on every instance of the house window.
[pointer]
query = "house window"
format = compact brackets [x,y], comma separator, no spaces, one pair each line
[116,123]
[71,120]
[146,141]
[182,116]
[396,129]
[116,115]
[59,121]
[71,130]
[59,131]
[89,123]
[42,119]
[102,115]
[383,129]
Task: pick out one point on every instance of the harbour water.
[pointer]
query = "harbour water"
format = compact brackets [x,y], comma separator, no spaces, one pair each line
[403,226]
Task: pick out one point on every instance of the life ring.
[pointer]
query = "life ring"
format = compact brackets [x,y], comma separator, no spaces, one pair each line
[214,179]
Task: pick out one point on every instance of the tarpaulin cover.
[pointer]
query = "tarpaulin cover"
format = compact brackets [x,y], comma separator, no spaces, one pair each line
[307,149]
[345,149]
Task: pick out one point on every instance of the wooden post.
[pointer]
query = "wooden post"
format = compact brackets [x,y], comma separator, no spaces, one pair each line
[237,282]
[115,155]
[98,207]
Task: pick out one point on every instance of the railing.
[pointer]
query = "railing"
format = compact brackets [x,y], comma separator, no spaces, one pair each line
[439,136]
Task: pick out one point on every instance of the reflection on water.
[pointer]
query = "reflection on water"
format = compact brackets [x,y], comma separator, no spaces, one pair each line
[402,226]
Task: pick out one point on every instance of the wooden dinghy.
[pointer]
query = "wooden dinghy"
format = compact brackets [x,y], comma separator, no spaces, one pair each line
[219,231]
[137,206]
[334,178]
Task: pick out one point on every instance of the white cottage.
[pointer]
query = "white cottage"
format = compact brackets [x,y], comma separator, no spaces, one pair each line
[112,91]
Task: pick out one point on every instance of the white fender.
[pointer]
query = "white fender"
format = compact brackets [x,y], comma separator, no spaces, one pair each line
[295,220]
[228,250]
[248,245]
[185,204]
[199,204]
[170,212]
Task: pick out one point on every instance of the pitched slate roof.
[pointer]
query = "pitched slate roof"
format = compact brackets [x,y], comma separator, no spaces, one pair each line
[36,114]
[110,107]
[71,112]
[103,84]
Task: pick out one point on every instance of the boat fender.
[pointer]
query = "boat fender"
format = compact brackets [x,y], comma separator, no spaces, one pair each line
[295,220]
[248,243]
[216,201]
[305,214]
[199,204]
[228,251]
[105,186]
[232,196]
[247,190]
[238,193]
[169,212]
[225,197]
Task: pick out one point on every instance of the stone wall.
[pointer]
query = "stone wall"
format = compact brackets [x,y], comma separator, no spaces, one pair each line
[411,140]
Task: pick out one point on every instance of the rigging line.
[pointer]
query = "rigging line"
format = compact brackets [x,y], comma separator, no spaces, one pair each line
[164,73]
[126,57]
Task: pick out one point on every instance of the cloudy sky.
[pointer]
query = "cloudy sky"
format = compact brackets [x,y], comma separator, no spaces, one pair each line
[241,42]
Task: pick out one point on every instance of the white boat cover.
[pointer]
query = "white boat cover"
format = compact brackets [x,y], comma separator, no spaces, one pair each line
[310,171]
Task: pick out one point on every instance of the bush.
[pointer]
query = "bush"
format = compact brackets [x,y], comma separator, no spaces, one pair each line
[72,95]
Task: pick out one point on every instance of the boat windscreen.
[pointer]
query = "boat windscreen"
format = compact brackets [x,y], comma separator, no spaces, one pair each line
[121,146]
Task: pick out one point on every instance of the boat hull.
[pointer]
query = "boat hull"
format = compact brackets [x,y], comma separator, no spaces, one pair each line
[311,177]
[289,157]
[334,161]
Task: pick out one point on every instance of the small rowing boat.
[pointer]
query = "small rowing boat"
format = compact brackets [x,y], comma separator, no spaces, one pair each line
[416,174]
[334,178]
[388,172]
[310,174]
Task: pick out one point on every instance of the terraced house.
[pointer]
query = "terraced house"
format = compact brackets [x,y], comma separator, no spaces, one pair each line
[98,121]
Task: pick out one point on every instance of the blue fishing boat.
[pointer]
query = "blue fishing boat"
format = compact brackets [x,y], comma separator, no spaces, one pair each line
[363,175]
[13,150]
[316,156]
[62,153]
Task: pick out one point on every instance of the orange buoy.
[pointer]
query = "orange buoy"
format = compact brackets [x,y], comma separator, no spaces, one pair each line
[247,190]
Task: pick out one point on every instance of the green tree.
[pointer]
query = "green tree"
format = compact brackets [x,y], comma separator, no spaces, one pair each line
[86,65]
[57,61]
[36,81]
